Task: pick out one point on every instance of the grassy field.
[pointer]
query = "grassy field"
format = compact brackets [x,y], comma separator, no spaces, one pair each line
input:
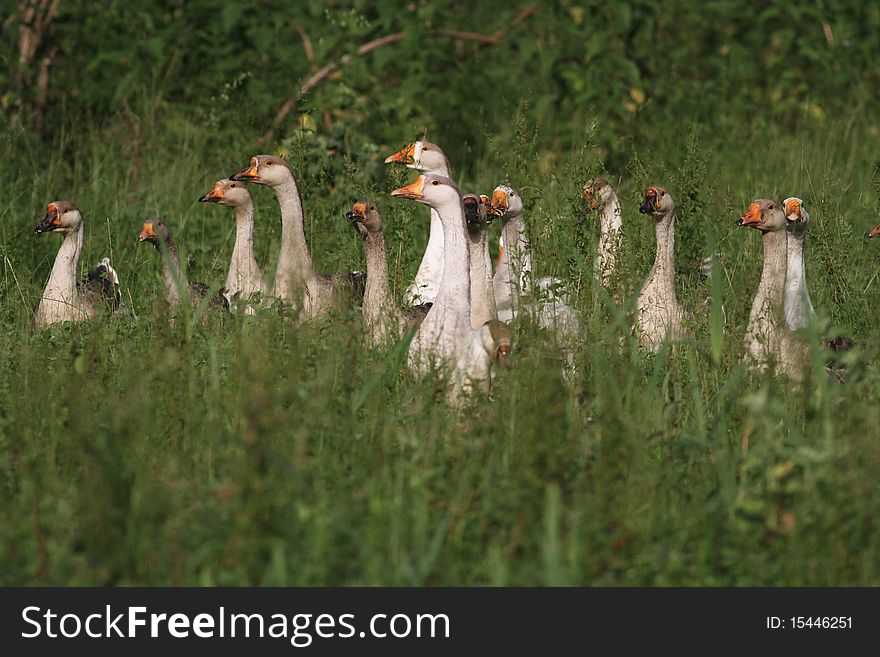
[251,452]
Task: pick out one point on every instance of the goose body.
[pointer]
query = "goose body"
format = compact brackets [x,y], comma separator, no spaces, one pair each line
[798,306]
[660,317]
[384,319]
[515,290]
[244,278]
[477,219]
[768,337]
[296,280]
[601,197]
[446,338]
[65,299]
[426,157]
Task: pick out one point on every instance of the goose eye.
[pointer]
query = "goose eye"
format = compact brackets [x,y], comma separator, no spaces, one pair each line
[269,162]
[372,207]
[425,148]
[771,206]
[662,193]
[435,182]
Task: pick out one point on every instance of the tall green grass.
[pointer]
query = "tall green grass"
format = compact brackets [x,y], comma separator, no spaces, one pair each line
[252,451]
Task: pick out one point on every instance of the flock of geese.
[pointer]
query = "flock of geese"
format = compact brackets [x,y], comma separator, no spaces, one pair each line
[458,309]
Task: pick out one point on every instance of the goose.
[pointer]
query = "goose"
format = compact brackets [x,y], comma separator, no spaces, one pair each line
[477,219]
[156,232]
[660,317]
[296,280]
[600,195]
[426,157]
[384,319]
[512,282]
[768,336]
[64,299]
[511,279]
[798,307]
[446,337]
[244,278]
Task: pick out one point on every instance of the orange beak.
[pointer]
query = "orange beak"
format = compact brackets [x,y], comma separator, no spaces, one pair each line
[214,196]
[592,203]
[405,155]
[752,217]
[499,202]
[251,173]
[147,233]
[413,191]
[874,232]
[792,208]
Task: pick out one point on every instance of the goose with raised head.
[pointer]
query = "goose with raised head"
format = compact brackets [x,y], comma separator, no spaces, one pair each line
[600,196]
[64,299]
[244,278]
[515,289]
[660,318]
[426,157]
[155,231]
[768,337]
[798,307]
[446,338]
[296,280]
[385,321]
[511,279]
[477,219]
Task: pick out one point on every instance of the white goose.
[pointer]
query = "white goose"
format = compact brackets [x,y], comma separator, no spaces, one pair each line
[296,280]
[798,307]
[600,195]
[513,282]
[478,218]
[244,278]
[446,338]
[385,321]
[427,158]
[660,317]
[64,299]
[768,337]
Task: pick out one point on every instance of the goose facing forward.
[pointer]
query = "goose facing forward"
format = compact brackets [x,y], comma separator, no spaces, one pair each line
[426,157]
[478,218]
[798,307]
[446,337]
[244,278]
[296,280]
[383,318]
[768,337]
[660,317]
[65,299]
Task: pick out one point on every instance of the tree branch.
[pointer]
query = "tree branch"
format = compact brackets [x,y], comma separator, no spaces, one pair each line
[317,78]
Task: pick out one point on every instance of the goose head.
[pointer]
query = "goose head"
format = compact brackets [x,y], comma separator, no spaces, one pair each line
[420,155]
[506,202]
[365,218]
[231,193]
[658,202]
[597,193]
[155,232]
[796,214]
[431,190]
[61,217]
[874,232]
[265,170]
[476,212]
[497,339]
[765,214]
